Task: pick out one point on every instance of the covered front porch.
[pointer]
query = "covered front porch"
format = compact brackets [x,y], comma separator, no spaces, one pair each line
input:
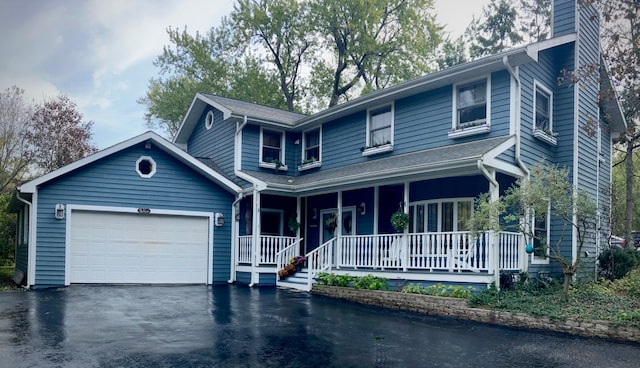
[340,220]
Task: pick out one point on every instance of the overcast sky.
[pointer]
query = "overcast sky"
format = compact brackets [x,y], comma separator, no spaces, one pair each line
[101,52]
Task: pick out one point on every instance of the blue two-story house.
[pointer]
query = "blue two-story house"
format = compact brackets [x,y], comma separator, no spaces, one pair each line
[243,187]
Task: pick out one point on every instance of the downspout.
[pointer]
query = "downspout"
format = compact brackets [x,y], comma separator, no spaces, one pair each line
[234,236]
[15,257]
[256,188]
[516,77]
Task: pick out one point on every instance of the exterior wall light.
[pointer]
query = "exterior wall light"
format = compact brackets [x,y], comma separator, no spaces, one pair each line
[219,219]
[59,214]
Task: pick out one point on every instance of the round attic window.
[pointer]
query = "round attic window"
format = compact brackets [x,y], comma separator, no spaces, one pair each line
[208,120]
[145,167]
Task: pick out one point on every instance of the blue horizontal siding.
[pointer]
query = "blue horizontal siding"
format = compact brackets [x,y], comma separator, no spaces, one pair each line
[564,17]
[216,143]
[113,181]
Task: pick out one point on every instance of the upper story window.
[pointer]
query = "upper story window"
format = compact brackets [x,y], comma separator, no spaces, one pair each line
[208,120]
[311,149]
[543,116]
[272,149]
[379,130]
[471,108]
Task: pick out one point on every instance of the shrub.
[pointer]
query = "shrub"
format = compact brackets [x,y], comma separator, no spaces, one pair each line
[454,291]
[368,282]
[616,263]
[628,285]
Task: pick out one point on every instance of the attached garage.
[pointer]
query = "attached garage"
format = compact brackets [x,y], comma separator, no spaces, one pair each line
[140,212]
[147,248]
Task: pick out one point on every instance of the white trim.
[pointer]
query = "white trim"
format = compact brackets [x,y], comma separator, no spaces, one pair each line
[283,142]
[513,93]
[538,85]
[154,166]
[545,137]
[482,126]
[376,150]
[318,161]
[391,107]
[439,202]
[131,210]
[163,144]
[576,134]
[33,233]
[208,120]
[545,260]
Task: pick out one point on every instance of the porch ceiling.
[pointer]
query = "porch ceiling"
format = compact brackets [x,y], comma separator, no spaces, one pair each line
[453,160]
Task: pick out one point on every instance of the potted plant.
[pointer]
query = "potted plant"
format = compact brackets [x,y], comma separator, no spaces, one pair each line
[400,220]
[332,222]
[293,224]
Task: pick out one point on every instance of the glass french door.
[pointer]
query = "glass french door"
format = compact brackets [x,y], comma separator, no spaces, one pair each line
[440,216]
[330,223]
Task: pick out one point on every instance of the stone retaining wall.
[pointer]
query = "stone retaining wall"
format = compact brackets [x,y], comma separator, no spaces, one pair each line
[458,308]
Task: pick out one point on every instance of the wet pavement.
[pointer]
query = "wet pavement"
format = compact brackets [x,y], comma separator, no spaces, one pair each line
[234,326]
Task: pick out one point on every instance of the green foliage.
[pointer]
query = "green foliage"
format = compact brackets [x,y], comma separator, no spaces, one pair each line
[368,282]
[629,284]
[454,291]
[498,30]
[586,301]
[616,263]
[400,220]
[7,231]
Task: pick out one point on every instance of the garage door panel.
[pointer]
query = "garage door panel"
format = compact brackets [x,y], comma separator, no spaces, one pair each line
[111,247]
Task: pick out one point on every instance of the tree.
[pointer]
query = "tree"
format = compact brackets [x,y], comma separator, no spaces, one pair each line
[535,19]
[548,192]
[349,47]
[15,119]
[209,63]
[498,30]
[452,52]
[377,42]
[283,27]
[620,33]
[58,135]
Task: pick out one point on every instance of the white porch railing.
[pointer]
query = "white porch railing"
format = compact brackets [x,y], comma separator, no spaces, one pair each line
[283,257]
[445,251]
[320,260]
[511,247]
[268,248]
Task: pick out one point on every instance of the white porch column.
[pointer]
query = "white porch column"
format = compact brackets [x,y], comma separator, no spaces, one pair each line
[255,241]
[405,236]
[298,216]
[376,206]
[494,191]
[338,234]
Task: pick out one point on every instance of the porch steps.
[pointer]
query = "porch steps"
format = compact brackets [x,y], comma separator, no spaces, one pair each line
[298,281]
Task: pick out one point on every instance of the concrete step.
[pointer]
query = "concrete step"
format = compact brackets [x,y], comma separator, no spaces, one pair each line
[297,281]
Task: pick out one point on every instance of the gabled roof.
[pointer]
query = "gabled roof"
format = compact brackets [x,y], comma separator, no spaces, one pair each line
[611,103]
[232,108]
[163,144]
[447,160]
[268,115]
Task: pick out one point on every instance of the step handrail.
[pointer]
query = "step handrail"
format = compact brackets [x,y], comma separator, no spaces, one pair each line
[283,256]
[319,260]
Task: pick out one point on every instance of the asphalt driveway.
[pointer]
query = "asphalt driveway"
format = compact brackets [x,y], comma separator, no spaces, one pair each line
[234,326]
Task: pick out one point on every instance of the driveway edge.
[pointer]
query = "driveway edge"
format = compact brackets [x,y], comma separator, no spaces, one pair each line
[458,308]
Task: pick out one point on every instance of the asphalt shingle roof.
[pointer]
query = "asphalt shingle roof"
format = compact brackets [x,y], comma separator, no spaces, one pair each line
[251,109]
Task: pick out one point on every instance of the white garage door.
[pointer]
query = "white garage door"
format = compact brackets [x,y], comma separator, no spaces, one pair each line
[109,247]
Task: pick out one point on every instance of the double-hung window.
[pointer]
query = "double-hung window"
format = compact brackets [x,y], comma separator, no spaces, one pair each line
[543,116]
[379,130]
[312,145]
[272,149]
[441,215]
[471,107]
[541,232]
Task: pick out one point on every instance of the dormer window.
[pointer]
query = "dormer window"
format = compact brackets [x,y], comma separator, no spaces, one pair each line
[470,108]
[543,117]
[379,130]
[272,149]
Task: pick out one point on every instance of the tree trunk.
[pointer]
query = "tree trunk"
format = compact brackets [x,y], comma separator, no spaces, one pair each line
[565,285]
[628,218]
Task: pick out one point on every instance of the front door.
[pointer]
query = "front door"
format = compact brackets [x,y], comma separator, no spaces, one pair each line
[330,223]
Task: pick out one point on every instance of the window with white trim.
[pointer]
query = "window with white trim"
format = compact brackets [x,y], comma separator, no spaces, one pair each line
[272,149]
[208,120]
[146,167]
[444,215]
[311,146]
[471,104]
[379,129]
[541,231]
[543,116]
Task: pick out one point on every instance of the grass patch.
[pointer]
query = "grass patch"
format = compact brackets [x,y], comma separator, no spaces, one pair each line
[5,278]
[603,300]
